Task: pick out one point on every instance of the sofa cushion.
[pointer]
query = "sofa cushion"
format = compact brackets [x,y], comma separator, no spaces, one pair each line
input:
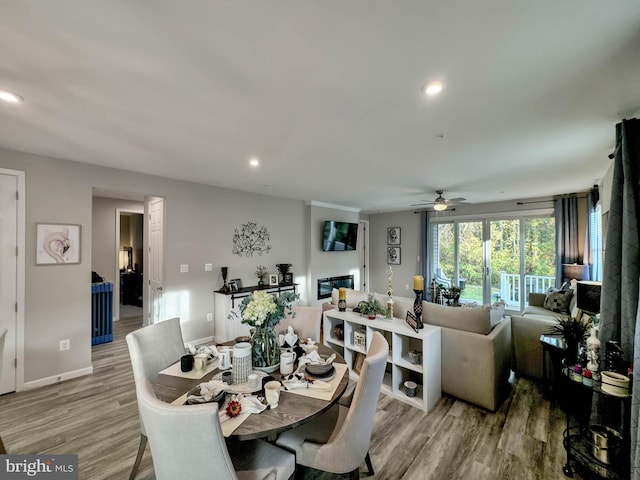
[540,312]
[558,301]
[354,297]
[468,319]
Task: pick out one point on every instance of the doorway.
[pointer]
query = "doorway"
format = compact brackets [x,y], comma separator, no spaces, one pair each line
[130,262]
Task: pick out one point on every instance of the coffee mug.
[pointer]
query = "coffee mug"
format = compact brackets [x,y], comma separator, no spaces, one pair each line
[410,388]
[272,393]
[186,363]
[287,360]
[224,359]
[201,361]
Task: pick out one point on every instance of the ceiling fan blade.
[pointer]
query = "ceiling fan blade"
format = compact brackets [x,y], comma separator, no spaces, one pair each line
[459,199]
[424,204]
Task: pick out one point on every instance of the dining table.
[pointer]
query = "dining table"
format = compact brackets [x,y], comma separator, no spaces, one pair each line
[292,411]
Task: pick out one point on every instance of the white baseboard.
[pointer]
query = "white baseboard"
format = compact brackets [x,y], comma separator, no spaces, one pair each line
[41,382]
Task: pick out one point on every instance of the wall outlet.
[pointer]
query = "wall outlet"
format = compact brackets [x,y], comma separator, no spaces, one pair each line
[208,267]
[209,317]
[406,286]
[65,345]
[184,268]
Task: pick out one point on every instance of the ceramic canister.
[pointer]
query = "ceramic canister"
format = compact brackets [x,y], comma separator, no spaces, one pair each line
[241,362]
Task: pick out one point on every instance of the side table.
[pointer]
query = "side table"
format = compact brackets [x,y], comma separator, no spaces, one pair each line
[554,346]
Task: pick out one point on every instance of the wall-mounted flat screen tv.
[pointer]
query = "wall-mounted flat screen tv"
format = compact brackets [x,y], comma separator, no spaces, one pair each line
[339,236]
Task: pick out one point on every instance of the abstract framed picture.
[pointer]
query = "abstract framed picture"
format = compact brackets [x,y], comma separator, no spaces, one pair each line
[58,244]
[393,255]
[393,236]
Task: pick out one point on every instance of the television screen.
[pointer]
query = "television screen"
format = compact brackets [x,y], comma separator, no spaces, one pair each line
[337,236]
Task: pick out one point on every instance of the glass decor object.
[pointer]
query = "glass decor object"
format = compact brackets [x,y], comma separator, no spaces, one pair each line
[265,350]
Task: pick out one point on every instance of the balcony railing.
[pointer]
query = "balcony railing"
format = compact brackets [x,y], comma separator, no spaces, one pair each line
[510,288]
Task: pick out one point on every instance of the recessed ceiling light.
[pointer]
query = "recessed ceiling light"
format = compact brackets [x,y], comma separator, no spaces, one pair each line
[433,88]
[10,97]
[254,162]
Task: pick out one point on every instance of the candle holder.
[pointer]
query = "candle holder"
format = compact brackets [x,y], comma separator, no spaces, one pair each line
[342,305]
[225,288]
[417,307]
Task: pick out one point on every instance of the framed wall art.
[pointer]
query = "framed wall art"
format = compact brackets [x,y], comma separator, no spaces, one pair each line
[58,244]
[393,255]
[273,279]
[393,236]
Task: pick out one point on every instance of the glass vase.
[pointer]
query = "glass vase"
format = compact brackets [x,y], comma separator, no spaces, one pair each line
[265,351]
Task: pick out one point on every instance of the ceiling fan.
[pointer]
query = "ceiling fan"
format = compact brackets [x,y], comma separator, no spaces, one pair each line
[440,203]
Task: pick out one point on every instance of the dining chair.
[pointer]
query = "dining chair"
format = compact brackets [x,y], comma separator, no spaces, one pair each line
[306,322]
[3,334]
[338,441]
[187,442]
[151,349]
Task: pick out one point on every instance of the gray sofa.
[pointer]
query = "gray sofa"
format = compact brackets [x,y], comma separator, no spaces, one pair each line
[526,330]
[476,352]
[476,346]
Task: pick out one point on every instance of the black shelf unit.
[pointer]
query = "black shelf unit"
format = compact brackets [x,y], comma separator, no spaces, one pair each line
[577,400]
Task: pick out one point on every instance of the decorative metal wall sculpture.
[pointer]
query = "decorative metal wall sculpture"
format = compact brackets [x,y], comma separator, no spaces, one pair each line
[250,239]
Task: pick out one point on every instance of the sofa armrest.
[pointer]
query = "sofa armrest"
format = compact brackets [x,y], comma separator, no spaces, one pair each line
[476,367]
[526,354]
[537,299]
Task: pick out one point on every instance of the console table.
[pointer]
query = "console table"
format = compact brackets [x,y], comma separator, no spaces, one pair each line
[402,339]
[226,329]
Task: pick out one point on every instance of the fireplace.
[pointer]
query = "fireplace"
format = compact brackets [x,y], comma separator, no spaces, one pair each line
[325,285]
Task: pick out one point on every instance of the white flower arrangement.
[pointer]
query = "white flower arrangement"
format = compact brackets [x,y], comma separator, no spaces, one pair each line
[261,309]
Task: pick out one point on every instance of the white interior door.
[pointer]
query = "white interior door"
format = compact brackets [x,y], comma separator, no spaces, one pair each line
[8,278]
[156,260]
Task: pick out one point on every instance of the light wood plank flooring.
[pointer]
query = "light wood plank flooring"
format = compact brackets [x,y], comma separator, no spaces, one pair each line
[96,417]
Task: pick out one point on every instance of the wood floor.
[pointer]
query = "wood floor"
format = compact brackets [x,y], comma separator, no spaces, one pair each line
[96,417]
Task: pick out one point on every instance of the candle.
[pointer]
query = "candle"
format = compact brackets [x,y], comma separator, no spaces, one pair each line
[418,282]
[342,293]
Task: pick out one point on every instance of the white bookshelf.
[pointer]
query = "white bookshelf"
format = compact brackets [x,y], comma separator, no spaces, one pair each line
[401,338]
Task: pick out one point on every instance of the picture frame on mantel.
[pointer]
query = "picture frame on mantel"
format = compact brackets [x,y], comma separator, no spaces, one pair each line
[273,279]
[393,236]
[393,255]
[58,244]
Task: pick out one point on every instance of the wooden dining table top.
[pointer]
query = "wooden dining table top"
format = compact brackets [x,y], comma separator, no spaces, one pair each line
[293,409]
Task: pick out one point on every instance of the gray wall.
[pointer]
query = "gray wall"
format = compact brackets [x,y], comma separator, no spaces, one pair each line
[200,222]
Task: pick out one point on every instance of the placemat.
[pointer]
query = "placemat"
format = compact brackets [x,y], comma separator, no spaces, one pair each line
[322,394]
[174,370]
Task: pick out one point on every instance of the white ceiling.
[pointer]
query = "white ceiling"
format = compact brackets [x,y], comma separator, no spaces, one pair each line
[327,93]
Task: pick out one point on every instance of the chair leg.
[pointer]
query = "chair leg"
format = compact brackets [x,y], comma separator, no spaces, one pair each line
[2,449]
[136,464]
[369,464]
[354,474]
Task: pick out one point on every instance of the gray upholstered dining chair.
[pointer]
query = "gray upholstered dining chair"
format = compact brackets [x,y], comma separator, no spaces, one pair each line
[152,349]
[306,322]
[338,441]
[187,442]
[3,334]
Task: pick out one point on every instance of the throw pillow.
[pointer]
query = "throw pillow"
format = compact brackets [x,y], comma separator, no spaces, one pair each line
[558,300]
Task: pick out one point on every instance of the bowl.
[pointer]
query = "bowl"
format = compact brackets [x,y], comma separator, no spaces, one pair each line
[317,368]
[615,384]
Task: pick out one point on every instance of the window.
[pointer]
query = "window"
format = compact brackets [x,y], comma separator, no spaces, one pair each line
[595,242]
[502,258]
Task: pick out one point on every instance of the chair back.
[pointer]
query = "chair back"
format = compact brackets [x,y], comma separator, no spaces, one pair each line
[306,322]
[155,347]
[185,441]
[354,437]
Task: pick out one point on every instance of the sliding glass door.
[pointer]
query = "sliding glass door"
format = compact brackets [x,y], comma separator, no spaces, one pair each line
[494,258]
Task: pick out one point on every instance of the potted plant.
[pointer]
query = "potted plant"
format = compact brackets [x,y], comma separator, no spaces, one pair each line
[452,293]
[574,332]
[370,309]
[261,272]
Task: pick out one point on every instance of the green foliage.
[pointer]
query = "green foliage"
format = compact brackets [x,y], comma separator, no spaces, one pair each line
[572,329]
[370,308]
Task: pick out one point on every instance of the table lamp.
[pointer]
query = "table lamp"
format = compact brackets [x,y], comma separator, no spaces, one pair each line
[573,271]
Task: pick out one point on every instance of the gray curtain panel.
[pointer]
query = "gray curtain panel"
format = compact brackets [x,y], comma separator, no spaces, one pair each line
[621,275]
[424,253]
[566,215]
